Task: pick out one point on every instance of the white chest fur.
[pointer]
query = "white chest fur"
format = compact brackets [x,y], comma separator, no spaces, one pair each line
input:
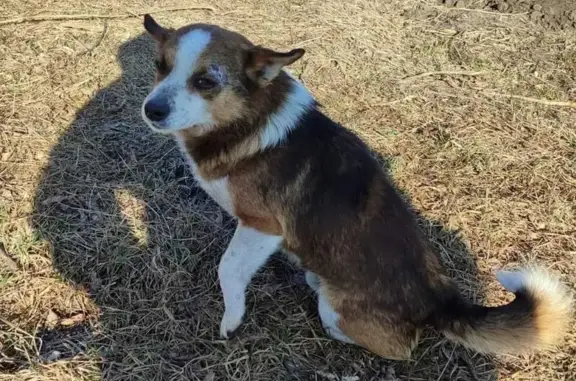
[217,189]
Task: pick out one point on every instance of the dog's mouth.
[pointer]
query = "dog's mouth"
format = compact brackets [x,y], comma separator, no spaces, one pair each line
[156,126]
[164,127]
[160,128]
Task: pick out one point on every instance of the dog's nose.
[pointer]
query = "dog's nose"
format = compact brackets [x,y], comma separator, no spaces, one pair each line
[157,109]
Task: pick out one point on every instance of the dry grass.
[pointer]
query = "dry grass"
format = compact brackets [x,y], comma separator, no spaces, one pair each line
[117,249]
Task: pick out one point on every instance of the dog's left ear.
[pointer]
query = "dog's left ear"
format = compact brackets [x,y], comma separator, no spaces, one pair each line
[158,32]
[263,65]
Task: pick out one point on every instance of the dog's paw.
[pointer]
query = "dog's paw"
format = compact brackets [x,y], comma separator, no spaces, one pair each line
[230,324]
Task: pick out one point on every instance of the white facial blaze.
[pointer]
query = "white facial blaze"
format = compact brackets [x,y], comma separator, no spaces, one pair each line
[186,108]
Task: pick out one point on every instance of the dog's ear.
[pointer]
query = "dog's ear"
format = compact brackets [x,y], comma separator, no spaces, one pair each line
[263,65]
[158,32]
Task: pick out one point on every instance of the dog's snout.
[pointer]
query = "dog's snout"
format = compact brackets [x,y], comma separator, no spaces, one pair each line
[157,109]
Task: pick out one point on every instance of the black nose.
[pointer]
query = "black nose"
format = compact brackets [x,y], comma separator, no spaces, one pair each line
[157,109]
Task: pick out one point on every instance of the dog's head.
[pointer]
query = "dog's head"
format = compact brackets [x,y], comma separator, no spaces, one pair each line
[207,77]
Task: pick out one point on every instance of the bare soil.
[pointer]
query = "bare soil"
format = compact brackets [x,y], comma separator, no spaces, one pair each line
[555,14]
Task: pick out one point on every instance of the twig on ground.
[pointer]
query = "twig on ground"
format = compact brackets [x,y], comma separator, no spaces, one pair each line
[534,100]
[447,363]
[452,73]
[482,11]
[231,362]
[405,99]
[59,17]
[100,39]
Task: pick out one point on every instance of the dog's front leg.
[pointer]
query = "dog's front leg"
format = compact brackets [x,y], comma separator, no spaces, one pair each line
[247,252]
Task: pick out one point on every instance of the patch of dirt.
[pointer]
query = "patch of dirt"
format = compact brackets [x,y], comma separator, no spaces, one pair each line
[555,14]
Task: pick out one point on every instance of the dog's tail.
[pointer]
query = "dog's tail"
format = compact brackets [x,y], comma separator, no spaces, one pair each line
[537,319]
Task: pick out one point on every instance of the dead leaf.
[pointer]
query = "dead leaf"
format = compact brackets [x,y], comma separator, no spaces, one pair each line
[52,319]
[7,259]
[78,318]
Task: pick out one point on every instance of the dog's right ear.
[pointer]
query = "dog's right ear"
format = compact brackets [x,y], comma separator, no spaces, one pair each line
[158,32]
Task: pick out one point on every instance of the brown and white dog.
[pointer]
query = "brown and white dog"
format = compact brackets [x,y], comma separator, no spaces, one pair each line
[297,181]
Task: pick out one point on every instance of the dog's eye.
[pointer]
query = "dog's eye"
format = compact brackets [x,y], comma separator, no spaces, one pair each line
[203,83]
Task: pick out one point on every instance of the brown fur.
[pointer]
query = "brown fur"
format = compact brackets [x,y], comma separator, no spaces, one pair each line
[377,331]
[249,206]
[227,108]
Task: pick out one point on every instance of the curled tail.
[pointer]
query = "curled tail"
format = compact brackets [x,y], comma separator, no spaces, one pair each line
[537,319]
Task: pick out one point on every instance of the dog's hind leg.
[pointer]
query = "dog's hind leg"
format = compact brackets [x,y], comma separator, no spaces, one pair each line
[393,341]
[378,331]
[330,319]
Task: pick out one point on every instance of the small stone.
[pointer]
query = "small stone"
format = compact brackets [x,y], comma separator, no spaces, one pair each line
[450,3]
[537,7]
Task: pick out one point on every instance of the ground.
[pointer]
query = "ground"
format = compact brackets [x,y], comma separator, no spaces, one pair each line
[109,267]
[555,14]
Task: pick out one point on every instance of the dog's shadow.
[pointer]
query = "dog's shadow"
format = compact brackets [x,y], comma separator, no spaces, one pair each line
[127,222]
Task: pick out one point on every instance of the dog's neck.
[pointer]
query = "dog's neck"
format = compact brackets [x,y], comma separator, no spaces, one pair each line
[279,109]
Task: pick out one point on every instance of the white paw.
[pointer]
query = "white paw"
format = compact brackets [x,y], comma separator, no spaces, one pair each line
[230,323]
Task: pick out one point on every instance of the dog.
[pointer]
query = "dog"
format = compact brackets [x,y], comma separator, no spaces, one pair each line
[296,181]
